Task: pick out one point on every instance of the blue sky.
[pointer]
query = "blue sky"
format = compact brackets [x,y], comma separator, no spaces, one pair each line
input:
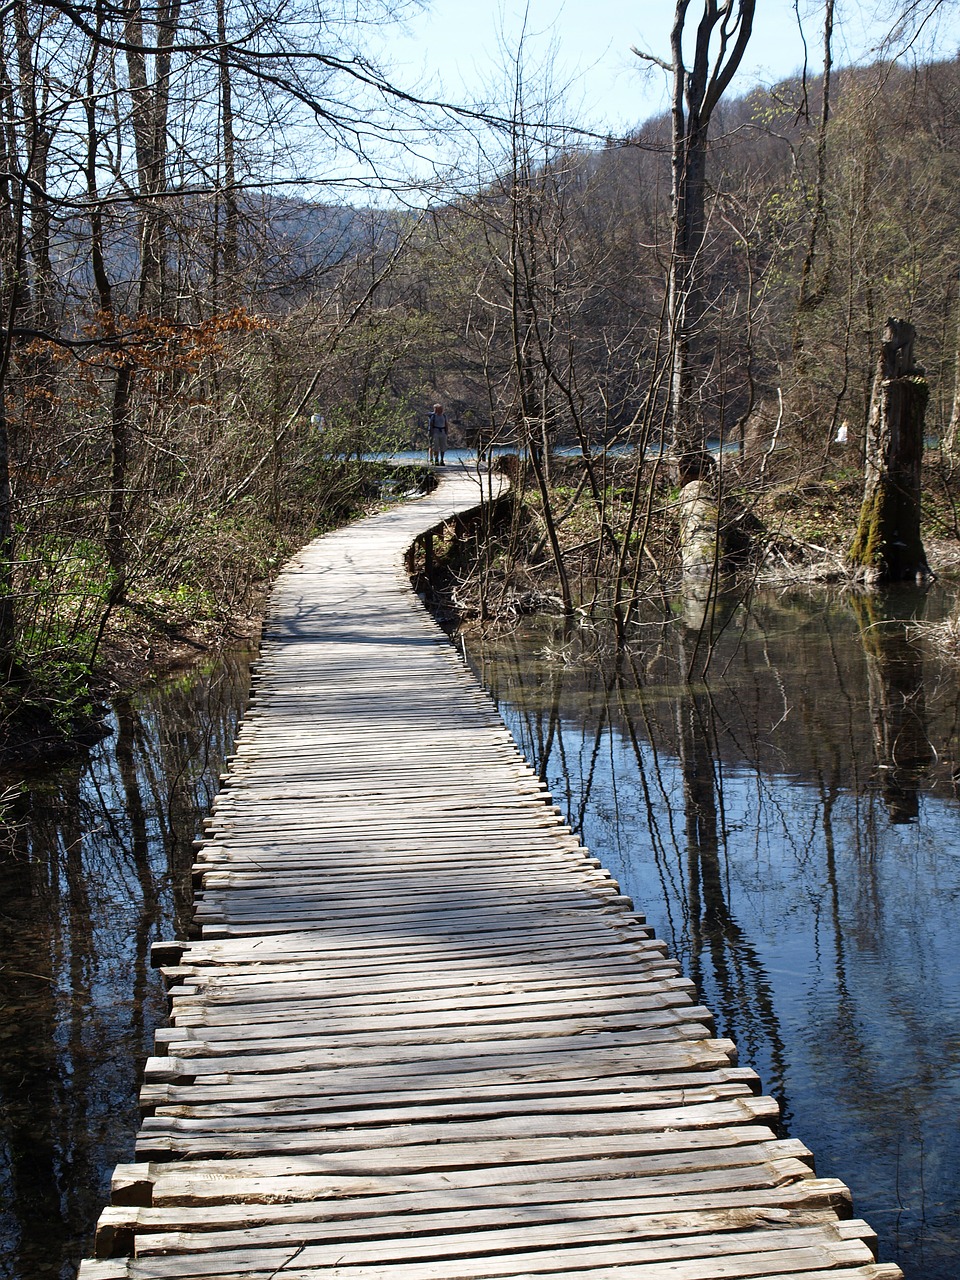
[457,44]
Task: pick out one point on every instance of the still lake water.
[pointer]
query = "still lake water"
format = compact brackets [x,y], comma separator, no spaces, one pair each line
[93,868]
[790,825]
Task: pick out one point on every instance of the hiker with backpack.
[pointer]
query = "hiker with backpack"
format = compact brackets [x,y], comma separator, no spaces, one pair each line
[437,425]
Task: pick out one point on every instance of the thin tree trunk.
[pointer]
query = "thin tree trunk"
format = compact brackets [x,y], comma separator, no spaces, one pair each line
[150,113]
[14,301]
[723,32]
[8,631]
[116,539]
[231,230]
[951,440]
[810,296]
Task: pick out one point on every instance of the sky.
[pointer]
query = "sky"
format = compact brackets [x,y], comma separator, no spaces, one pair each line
[455,47]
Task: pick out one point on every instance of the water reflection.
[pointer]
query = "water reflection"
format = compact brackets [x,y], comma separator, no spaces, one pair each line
[720,953]
[94,866]
[789,825]
[897,701]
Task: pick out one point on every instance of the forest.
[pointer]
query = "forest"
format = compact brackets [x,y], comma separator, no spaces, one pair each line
[224,295]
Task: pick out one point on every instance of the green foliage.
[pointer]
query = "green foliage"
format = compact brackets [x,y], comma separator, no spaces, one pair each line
[58,677]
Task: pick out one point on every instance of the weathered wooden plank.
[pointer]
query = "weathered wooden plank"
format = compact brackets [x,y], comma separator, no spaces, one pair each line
[370,1131]
[291,1178]
[226,958]
[470,1022]
[577,1225]
[537,1087]
[463,882]
[401,1108]
[237,887]
[579,926]
[603,976]
[374,1001]
[683,1064]
[343,1150]
[579,931]
[290,953]
[523,1204]
[733,1253]
[316,1048]
[872,1271]
[626,1048]
[230,977]
[280,902]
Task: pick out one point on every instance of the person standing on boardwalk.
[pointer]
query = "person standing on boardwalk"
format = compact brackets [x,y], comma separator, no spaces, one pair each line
[437,423]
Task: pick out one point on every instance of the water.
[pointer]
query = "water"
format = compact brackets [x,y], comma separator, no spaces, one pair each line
[791,827]
[467,457]
[93,868]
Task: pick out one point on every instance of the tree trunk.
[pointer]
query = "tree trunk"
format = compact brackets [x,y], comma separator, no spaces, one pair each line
[697,89]
[887,547]
[813,293]
[230,246]
[116,539]
[951,439]
[150,106]
[699,529]
[34,92]
[8,632]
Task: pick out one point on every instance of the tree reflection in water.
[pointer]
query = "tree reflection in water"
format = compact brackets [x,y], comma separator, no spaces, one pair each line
[94,866]
[897,701]
[789,826]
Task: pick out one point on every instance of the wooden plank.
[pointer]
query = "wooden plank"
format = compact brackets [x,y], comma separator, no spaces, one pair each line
[293,939]
[399,1046]
[734,1253]
[491,1090]
[386,983]
[279,902]
[471,1022]
[313,916]
[465,1074]
[356,1152]
[372,1130]
[524,1204]
[688,1044]
[288,1179]
[114,1270]
[401,1108]
[576,1225]
[372,1001]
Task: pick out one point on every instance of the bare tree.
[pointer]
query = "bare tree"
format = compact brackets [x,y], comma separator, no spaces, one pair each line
[699,80]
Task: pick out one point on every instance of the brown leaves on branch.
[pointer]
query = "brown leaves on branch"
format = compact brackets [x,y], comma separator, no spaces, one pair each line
[147,343]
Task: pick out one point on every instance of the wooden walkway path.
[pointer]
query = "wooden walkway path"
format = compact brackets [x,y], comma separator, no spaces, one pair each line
[420,1034]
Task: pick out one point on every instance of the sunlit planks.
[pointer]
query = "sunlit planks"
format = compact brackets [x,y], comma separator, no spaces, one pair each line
[419,1033]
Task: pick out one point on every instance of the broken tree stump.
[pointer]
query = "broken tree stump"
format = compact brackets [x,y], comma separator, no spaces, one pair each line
[887,547]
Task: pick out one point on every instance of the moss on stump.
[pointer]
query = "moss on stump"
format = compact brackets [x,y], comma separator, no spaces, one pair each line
[887,546]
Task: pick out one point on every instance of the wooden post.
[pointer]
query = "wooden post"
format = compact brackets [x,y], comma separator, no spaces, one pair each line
[887,546]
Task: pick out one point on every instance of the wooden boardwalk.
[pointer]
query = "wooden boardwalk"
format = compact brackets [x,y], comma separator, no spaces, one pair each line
[420,1034]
